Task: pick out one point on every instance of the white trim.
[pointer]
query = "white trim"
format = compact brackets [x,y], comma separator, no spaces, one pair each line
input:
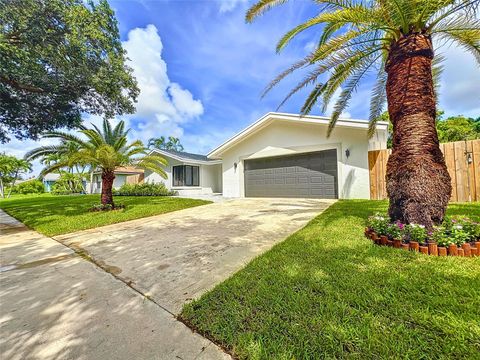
[185,160]
[272,116]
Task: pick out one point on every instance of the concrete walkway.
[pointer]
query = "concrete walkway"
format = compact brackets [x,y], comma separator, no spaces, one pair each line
[57,305]
[176,257]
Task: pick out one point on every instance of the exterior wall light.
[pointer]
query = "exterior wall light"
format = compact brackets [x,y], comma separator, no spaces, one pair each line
[235,167]
[347,153]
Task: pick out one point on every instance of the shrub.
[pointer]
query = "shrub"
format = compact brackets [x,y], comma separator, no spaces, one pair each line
[29,187]
[67,184]
[145,189]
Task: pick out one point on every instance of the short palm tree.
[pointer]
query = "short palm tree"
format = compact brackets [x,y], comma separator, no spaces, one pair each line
[104,150]
[393,39]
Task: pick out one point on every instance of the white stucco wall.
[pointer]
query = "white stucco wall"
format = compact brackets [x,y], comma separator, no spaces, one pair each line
[120,179]
[208,182]
[282,138]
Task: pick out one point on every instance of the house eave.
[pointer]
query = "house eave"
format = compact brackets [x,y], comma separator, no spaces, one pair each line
[286,117]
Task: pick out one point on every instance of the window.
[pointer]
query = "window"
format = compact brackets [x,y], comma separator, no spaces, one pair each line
[186,175]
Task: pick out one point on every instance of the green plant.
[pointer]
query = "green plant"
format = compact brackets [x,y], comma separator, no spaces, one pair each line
[459,235]
[378,223]
[67,184]
[29,187]
[395,230]
[471,227]
[441,237]
[145,189]
[415,232]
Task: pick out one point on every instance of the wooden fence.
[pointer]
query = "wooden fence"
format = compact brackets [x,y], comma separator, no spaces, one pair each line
[463,163]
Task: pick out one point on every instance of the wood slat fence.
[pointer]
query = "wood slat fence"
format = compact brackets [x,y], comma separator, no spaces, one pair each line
[463,163]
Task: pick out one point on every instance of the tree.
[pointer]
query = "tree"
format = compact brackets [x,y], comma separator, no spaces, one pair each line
[59,59]
[10,170]
[105,150]
[157,143]
[173,143]
[392,39]
[458,128]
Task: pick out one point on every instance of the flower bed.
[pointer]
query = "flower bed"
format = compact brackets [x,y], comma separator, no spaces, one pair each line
[455,237]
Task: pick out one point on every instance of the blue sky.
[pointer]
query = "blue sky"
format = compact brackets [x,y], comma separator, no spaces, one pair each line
[201,69]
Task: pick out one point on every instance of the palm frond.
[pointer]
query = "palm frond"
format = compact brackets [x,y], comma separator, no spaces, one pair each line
[42,152]
[344,70]
[285,73]
[65,136]
[349,87]
[261,7]
[312,99]
[377,101]
[467,39]
[437,70]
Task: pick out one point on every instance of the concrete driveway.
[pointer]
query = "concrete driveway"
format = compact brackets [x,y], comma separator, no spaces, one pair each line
[176,257]
[56,305]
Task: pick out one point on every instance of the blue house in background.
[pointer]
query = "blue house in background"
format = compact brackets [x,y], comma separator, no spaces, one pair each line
[48,181]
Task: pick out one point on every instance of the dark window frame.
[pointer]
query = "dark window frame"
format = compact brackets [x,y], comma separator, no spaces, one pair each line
[181,176]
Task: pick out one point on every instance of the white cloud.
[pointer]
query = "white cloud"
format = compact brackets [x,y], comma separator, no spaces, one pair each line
[230,5]
[162,105]
[459,87]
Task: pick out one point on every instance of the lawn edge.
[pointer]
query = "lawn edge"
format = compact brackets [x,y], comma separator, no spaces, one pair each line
[208,202]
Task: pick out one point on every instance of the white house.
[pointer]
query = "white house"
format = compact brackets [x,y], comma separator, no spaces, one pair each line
[188,174]
[288,155]
[281,155]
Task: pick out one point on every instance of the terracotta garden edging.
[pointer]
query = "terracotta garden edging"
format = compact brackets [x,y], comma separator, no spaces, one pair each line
[466,250]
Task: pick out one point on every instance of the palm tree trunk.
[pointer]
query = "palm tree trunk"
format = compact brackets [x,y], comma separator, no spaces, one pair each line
[107,184]
[418,183]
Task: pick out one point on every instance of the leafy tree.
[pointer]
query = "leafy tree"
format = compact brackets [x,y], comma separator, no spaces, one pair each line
[59,59]
[10,170]
[458,128]
[394,40]
[104,149]
[173,143]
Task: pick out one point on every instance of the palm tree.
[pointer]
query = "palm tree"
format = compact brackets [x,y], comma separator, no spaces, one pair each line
[104,149]
[174,144]
[393,39]
[157,143]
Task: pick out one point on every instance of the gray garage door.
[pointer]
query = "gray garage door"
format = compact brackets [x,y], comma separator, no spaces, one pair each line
[311,175]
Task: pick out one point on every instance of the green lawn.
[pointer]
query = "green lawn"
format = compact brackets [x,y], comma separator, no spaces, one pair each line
[328,292]
[54,215]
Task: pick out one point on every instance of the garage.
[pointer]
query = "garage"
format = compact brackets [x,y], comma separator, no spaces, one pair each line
[310,175]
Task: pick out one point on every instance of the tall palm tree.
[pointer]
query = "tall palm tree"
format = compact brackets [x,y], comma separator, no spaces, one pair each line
[393,39]
[104,149]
